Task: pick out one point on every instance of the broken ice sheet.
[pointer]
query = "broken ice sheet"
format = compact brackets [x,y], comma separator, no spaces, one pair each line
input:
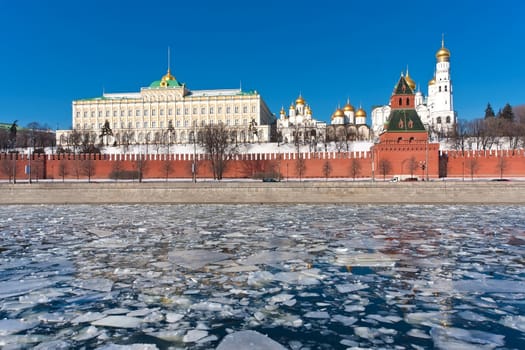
[194,259]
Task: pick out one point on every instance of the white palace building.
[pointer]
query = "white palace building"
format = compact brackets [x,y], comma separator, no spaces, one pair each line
[168,112]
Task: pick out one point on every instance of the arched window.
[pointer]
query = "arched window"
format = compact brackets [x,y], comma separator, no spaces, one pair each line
[408,101]
[440,89]
[438,120]
[400,101]
[445,88]
[448,119]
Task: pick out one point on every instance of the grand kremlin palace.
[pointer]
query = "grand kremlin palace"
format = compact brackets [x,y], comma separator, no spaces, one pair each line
[167,111]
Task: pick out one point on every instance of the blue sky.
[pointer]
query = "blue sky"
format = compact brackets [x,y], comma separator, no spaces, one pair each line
[53,52]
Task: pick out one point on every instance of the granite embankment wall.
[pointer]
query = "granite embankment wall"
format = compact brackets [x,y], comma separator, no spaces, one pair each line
[438,192]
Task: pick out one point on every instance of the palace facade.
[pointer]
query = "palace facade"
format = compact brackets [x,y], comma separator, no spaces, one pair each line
[168,112]
[437,109]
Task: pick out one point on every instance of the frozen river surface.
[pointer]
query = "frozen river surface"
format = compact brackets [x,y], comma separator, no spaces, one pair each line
[277,277]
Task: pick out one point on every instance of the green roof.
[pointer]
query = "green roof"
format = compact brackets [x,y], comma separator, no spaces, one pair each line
[169,83]
[402,87]
[404,120]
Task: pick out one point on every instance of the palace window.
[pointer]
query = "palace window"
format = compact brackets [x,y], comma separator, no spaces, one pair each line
[194,110]
[99,114]
[92,114]
[170,111]
[227,121]
[161,111]
[161,124]
[145,112]
[153,112]
[203,110]
[203,122]
[107,114]
[245,109]
[178,123]
[211,110]
[236,121]
[219,110]
[445,88]
[138,125]
[438,120]
[100,125]
[448,119]
[228,109]
[114,125]
[186,123]
[186,110]
[114,113]
[440,89]
[137,113]
[153,124]
[129,113]
[178,111]
[253,109]
[245,121]
[85,114]
[145,125]
[122,113]
[236,110]
[78,114]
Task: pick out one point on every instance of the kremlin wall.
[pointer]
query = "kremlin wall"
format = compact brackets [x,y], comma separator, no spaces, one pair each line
[448,164]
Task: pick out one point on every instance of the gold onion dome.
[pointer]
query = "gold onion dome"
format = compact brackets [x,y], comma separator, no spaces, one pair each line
[409,81]
[292,106]
[168,76]
[349,107]
[443,54]
[432,81]
[300,100]
[338,113]
[360,112]
[282,110]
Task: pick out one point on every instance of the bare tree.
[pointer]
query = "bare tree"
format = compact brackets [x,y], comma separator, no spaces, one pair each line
[167,166]
[355,168]
[412,166]
[472,165]
[8,168]
[219,148]
[501,165]
[63,168]
[327,169]
[300,166]
[141,166]
[385,167]
[116,170]
[88,167]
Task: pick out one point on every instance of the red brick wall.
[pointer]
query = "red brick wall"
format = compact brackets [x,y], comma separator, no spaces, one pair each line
[251,165]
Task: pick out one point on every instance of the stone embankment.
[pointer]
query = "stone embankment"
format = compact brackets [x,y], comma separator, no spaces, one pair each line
[437,192]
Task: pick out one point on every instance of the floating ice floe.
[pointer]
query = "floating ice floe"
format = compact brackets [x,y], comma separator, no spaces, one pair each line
[96,284]
[128,347]
[118,322]
[248,340]
[364,259]
[350,287]
[194,259]
[458,338]
[514,322]
[194,335]
[14,326]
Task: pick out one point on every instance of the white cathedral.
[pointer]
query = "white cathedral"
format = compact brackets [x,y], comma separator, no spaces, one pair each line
[437,109]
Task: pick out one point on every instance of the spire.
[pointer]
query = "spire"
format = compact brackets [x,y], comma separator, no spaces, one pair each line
[442,40]
[169,58]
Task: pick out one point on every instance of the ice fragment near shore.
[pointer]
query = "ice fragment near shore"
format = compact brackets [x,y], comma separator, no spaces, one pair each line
[457,338]
[248,340]
[364,259]
[96,284]
[514,322]
[194,335]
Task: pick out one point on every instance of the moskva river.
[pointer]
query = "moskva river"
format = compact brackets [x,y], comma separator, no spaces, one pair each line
[277,277]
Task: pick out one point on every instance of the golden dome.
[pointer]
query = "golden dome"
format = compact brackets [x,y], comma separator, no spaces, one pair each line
[432,81]
[292,106]
[299,101]
[409,81]
[339,113]
[443,54]
[360,112]
[282,110]
[348,107]
[168,76]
